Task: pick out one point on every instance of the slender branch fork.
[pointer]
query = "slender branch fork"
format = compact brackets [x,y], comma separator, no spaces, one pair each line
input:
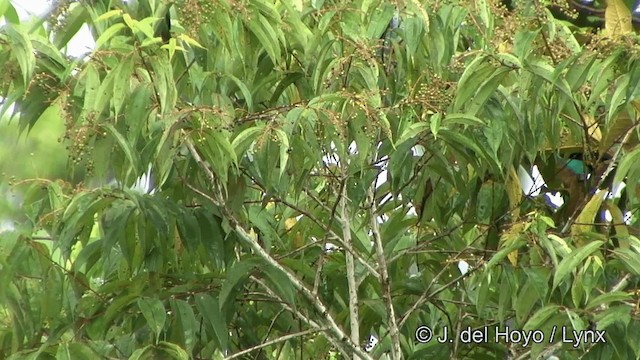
[335,332]
[396,351]
[274,341]
[350,264]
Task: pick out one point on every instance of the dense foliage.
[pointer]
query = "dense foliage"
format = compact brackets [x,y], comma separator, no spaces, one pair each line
[324,171]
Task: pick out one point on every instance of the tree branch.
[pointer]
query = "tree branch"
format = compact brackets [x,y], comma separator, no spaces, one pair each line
[396,352]
[218,200]
[274,341]
[351,272]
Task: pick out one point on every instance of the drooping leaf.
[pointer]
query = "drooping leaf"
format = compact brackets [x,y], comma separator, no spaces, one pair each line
[617,18]
[571,262]
[154,312]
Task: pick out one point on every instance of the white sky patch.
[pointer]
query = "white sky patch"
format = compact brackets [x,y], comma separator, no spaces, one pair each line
[10,109]
[80,45]
[29,8]
[418,150]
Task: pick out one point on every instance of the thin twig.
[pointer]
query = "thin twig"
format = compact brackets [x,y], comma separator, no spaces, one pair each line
[385,281]
[345,220]
[338,334]
[274,341]
[321,328]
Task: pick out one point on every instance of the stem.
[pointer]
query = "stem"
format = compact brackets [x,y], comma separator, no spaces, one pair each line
[274,341]
[396,352]
[351,272]
[244,237]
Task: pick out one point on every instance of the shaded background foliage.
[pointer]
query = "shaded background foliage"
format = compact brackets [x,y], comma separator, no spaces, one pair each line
[321,169]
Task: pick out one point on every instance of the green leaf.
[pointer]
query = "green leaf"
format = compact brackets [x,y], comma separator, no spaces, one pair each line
[478,70]
[121,87]
[630,259]
[109,14]
[22,50]
[248,98]
[486,89]
[627,161]
[235,276]
[576,322]
[413,131]
[245,138]
[188,323]
[584,221]
[284,150]
[213,238]
[172,46]
[526,300]
[464,119]
[608,298]
[91,79]
[108,34]
[172,350]
[154,312]
[284,84]
[500,255]
[209,308]
[281,283]
[79,350]
[102,97]
[571,262]
[4,6]
[126,148]
[546,72]
[620,314]
[117,307]
[509,60]
[266,34]
[73,22]
[537,321]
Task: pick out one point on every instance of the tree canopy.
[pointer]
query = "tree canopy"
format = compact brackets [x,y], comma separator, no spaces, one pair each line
[331,180]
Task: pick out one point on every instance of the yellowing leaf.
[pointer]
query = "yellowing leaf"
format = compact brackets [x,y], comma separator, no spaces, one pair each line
[289,223]
[617,18]
[252,234]
[616,131]
[189,40]
[423,13]
[108,34]
[510,237]
[584,221]
[514,192]
[131,23]
[172,47]
[622,233]
[592,125]
[109,14]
